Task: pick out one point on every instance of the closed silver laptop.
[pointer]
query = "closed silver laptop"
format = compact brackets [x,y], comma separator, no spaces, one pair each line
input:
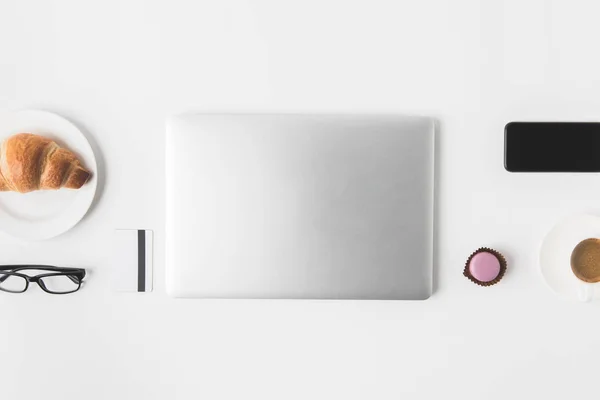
[300,206]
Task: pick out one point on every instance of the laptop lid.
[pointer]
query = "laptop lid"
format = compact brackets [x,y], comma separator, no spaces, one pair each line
[299,206]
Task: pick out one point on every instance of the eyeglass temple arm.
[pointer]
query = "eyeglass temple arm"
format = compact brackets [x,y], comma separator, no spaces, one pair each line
[16,268]
[11,267]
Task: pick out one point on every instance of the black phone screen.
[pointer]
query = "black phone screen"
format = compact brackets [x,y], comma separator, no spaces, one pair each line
[552,147]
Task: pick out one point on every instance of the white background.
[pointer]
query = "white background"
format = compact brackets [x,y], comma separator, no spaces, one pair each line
[118,68]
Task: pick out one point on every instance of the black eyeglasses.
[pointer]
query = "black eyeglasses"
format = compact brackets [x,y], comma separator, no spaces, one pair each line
[56,280]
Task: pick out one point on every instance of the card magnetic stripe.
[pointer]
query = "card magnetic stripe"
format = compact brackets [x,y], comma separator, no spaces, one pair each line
[141,236]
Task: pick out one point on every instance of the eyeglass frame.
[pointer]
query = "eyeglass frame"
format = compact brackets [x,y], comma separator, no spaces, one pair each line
[74,274]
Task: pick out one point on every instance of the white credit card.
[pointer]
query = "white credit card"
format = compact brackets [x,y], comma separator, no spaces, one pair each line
[132,261]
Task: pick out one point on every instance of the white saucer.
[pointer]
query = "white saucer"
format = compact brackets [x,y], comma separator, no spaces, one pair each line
[45,214]
[555,256]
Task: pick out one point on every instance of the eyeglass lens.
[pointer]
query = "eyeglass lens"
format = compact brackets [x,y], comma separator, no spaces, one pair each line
[12,283]
[59,283]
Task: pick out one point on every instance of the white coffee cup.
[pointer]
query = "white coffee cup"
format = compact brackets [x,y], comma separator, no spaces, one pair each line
[555,253]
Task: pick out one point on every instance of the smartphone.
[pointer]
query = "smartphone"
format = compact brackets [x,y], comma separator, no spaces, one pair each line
[552,147]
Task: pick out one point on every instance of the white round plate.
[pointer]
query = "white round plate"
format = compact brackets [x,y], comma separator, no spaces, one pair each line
[555,253]
[45,214]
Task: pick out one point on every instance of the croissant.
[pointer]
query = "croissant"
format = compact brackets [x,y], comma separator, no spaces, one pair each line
[31,162]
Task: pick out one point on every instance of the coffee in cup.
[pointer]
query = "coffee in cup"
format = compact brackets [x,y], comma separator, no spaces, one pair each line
[585,260]
[585,264]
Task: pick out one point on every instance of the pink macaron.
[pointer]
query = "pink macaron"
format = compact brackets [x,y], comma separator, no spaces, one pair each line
[485,267]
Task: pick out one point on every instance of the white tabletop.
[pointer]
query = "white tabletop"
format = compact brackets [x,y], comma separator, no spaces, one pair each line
[118,68]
